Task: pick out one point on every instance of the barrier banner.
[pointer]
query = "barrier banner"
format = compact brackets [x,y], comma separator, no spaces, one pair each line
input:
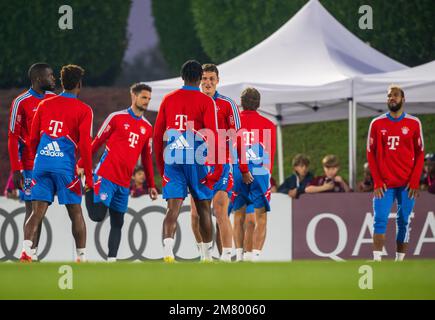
[141,234]
[339,226]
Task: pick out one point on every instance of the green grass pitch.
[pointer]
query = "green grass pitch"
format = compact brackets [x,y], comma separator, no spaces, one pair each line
[412,279]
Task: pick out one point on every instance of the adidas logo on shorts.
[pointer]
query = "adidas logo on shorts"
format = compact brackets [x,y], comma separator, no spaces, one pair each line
[51,150]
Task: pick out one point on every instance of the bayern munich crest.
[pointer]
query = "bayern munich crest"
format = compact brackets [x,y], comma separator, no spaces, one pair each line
[405,130]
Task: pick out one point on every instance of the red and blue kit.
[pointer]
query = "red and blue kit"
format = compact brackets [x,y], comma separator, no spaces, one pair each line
[181,145]
[395,153]
[61,128]
[127,137]
[228,118]
[23,109]
[256,144]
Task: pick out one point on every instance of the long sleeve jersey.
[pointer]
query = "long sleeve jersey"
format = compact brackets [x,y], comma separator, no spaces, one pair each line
[127,137]
[23,109]
[228,117]
[62,126]
[256,141]
[182,114]
[395,151]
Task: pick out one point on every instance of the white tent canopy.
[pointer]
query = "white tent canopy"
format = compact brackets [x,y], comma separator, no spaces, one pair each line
[303,71]
[312,58]
[418,84]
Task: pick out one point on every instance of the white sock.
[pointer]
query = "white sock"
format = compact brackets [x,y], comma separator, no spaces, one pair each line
[81,254]
[377,255]
[400,256]
[27,247]
[111,259]
[35,254]
[168,247]
[226,254]
[199,246]
[239,254]
[247,256]
[256,255]
[206,250]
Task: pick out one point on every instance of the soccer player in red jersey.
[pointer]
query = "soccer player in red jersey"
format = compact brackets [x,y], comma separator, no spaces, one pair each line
[62,126]
[20,121]
[256,143]
[395,153]
[127,135]
[228,117]
[183,116]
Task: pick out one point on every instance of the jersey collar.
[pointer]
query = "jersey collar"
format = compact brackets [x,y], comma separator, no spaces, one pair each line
[68,95]
[216,95]
[396,119]
[36,94]
[130,111]
[190,88]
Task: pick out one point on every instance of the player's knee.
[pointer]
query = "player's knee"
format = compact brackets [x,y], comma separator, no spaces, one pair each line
[239,219]
[261,219]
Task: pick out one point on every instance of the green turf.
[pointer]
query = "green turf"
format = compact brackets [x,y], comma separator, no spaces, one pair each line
[154,280]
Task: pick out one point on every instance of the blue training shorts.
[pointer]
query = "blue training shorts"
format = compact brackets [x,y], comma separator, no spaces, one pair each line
[178,177]
[46,184]
[111,194]
[256,193]
[382,209]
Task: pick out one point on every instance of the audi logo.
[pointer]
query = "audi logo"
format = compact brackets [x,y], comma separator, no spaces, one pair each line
[137,246]
[10,221]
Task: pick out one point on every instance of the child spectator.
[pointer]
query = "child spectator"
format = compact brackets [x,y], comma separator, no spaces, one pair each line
[138,186]
[330,181]
[295,185]
[366,185]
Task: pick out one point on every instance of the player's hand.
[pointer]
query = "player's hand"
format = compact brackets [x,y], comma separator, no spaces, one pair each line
[18,179]
[247,177]
[379,192]
[80,172]
[153,193]
[412,193]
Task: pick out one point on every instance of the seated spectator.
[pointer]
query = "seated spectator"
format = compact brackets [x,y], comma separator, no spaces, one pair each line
[429,159]
[330,182]
[429,173]
[366,185]
[10,191]
[295,185]
[138,186]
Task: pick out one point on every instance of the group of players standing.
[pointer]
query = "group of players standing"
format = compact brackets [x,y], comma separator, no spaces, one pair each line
[202,142]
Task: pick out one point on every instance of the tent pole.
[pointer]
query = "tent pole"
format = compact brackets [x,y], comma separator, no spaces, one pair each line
[354,142]
[350,137]
[279,145]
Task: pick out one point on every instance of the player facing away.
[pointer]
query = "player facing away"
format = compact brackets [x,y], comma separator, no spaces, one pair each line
[256,143]
[127,135]
[182,157]
[20,121]
[395,153]
[228,117]
[62,126]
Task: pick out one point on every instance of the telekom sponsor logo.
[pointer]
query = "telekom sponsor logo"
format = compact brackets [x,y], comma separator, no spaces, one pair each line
[55,127]
[133,139]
